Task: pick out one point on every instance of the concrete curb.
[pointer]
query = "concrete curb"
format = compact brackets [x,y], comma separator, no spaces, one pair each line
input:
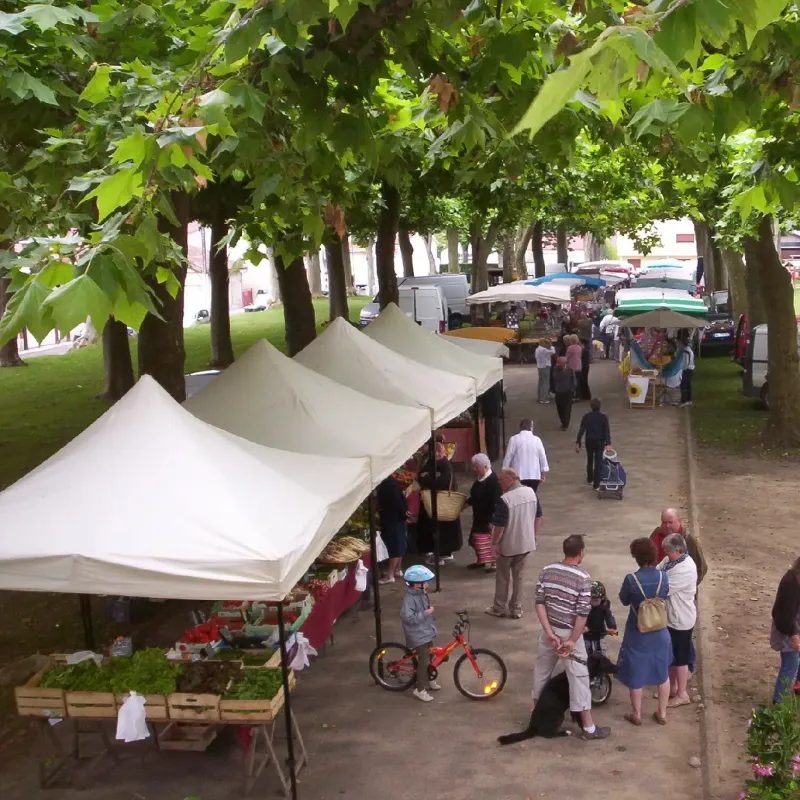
[709,718]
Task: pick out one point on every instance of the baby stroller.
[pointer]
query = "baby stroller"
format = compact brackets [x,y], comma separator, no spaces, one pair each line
[613,477]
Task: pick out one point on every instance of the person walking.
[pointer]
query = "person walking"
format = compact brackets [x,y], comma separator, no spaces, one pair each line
[544,359]
[785,634]
[564,388]
[491,405]
[484,494]
[392,512]
[513,538]
[574,361]
[687,373]
[584,392]
[563,603]
[595,426]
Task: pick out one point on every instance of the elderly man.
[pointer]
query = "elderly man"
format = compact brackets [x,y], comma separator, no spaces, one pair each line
[513,537]
[681,614]
[526,456]
[563,602]
[671,523]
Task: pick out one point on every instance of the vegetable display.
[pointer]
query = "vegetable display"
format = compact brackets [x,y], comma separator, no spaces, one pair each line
[256,684]
[207,677]
[256,659]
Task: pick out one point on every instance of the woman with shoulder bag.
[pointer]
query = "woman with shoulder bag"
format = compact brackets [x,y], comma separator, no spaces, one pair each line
[646,652]
[785,634]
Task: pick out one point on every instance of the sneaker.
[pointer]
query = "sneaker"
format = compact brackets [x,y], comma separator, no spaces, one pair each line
[516,614]
[421,694]
[448,558]
[434,687]
[384,581]
[431,562]
[599,733]
[399,574]
[493,612]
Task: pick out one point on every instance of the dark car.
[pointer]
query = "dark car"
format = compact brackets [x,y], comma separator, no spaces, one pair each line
[719,335]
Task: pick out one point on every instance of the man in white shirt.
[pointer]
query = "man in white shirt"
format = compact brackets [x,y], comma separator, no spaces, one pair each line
[525,455]
[687,364]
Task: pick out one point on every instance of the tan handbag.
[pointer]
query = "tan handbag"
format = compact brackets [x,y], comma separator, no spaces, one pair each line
[652,613]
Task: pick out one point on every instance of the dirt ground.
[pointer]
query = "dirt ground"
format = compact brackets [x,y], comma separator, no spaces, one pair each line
[365,743]
[748,519]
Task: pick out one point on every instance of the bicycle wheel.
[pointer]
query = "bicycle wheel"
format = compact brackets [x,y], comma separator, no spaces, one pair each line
[484,684]
[601,689]
[393,666]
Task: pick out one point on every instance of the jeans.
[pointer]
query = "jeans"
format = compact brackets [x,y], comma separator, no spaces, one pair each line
[594,462]
[544,384]
[686,385]
[788,674]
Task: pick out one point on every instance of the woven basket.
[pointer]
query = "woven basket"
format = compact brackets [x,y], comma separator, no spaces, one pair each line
[448,504]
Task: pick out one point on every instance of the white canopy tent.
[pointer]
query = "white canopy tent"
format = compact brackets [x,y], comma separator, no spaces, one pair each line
[277,402]
[521,292]
[395,330]
[481,347]
[151,502]
[349,357]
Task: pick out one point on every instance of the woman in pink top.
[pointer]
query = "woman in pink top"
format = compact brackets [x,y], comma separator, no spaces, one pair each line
[574,354]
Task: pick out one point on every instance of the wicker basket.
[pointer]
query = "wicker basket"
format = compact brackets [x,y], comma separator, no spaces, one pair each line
[448,504]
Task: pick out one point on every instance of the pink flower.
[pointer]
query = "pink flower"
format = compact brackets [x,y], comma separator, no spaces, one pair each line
[796,763]
[763,770]
[743,796]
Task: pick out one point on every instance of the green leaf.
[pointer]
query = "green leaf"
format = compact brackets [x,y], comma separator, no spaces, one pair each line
[98,87]
[25,86]
[167,276]
[72,303]
[652,54]
[24,310]
[117,190]
[47,16]
[767,11]
[131,148]
[216,97]
[678,35]
[242,41]
[10,23]
[252,100]
[343,10]
[132,314]
[713,62]
[56,273]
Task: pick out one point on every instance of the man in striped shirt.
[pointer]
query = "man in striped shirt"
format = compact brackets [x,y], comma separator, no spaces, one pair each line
[563,602]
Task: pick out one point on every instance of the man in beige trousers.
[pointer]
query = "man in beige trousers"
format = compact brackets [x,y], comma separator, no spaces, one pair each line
[513,535]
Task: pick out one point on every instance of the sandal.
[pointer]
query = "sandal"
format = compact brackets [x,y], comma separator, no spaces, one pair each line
[677,702]
[634,720]
[658,719]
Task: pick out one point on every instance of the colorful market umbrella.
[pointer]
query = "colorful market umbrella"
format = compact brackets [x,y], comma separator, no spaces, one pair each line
[568,279]
[663,317]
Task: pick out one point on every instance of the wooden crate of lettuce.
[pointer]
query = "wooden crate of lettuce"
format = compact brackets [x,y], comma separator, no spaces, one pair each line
[37,700]
[257,696]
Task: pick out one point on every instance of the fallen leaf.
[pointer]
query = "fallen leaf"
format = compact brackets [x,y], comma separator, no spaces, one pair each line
[334,216]
[446,93]
[616,772]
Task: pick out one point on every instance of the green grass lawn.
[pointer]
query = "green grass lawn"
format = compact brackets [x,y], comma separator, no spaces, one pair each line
[47,403]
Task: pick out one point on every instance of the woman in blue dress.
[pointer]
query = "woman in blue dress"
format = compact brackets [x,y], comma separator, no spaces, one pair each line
[644,658]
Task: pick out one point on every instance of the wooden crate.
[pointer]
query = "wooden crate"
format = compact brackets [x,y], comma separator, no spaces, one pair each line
[254,710]
[33,701]
[193,707]
[91,704]
[177,736]
[155,706]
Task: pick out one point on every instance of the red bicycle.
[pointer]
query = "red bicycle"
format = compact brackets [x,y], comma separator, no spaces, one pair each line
[479,674]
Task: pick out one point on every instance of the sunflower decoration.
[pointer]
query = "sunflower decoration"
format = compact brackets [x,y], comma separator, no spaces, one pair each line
[634,390]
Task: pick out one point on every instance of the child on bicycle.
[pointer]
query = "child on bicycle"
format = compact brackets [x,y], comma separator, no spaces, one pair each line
[419,627]
[600,622]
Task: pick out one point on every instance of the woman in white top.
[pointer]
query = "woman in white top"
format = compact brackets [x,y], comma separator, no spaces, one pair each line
[681,614]
[544,354]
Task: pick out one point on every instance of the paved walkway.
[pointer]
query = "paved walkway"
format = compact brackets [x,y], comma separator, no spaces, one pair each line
[367,743]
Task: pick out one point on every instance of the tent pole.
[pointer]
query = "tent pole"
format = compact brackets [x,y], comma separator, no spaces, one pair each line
[435,515]
[287,704]
[373,550]
[85,601]
[503,417]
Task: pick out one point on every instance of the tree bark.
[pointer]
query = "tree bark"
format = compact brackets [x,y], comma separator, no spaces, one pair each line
[452,250]
[371,266]
[161,347]
[737,282]
[314,274]
[275,289]
[521,248]
[756,310]
[562,245]
[537,245]
[509,258]
[388,223]
[221,344]
[594,249]
[431,258]
[783,422]
[712,261]
[116,361]
[9,352]
[298,310]
[406,251]
[348,264]
[337,279]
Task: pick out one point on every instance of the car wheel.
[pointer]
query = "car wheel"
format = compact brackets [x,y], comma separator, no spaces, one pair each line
[765,396]
[456,321]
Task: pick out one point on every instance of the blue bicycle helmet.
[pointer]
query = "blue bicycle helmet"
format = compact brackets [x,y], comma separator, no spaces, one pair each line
[418,574]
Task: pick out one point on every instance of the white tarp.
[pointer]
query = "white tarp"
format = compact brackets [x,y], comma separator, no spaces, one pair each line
[481,347]
[397,332]
[272,400]
[345,355]
[151,502]
[652,293]
[521,292]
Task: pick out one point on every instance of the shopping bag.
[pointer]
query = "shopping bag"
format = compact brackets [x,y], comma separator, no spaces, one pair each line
[361,576]
[131,722]
[304,650]
[380,548]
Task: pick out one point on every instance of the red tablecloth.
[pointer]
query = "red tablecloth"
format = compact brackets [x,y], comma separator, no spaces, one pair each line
[317,628]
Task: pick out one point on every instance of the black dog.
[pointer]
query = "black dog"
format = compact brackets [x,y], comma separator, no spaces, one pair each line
[553,704]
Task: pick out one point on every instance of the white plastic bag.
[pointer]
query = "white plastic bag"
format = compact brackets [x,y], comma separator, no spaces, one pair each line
[131,722]
[304,650]
[361,576]
[380,549]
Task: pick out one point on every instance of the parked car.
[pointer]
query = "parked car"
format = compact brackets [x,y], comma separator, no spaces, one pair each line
[755,378]
[719,335]
[259,302]
[454,286]
[426,305]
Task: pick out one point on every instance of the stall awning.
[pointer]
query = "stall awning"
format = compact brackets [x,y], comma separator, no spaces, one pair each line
[662,318]
[395,330]
[481,347]
[568,279]
[347,356]
[277,402]
[521,292]
[639,301]
[151,502]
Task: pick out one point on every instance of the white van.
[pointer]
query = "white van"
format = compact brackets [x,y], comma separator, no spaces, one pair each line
[456,291]
[755,378]
[426,305]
